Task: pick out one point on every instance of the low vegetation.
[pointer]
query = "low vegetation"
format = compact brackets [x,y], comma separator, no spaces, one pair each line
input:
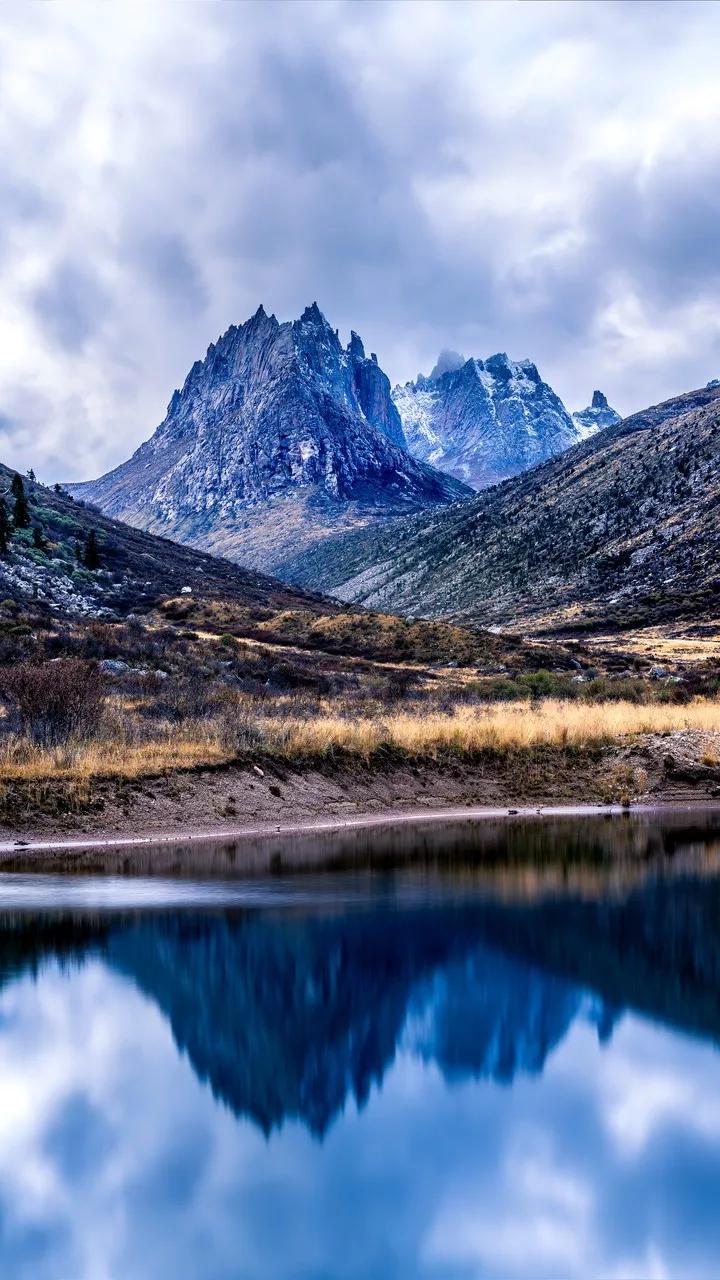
[198,683]
[618,533]
[75,717]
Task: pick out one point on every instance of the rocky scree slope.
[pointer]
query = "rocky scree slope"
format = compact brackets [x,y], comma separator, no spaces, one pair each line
[483,420]
[622,530]
[278,437]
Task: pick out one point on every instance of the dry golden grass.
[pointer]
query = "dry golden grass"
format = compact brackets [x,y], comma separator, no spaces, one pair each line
[496,727]
[21,762]
[286,734]
[659,645]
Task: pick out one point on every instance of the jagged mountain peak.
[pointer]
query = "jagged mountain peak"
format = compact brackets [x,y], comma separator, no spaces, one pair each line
[314,314]
[596,416]
[355,346]
[484,420]
[277,415]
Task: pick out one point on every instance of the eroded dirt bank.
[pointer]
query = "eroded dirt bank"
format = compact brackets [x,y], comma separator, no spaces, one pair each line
[670,768]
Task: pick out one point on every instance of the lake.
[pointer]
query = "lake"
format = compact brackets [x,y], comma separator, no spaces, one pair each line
[498,1058]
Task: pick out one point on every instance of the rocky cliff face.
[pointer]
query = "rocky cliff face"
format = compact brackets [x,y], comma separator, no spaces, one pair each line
[277,438]
[483,420]
[597,415]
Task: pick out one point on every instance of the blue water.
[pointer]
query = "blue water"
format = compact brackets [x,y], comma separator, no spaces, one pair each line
[413,1074]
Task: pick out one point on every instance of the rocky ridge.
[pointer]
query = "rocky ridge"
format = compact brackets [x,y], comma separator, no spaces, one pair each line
[597,415]
[278,437]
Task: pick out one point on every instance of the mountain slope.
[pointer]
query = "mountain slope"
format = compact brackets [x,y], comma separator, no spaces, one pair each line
[135,567]
[622,529]
[277,438]
[147,577]
[483,420]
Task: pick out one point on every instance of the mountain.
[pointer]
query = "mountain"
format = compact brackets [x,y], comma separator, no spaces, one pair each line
[286,1018]
[597,415]
[278,437]
[483,420]
[621,530]
[135,568]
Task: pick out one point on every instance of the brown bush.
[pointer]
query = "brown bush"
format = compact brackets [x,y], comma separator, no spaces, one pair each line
[54,702]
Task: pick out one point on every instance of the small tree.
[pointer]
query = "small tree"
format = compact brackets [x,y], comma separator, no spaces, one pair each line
[4,527]
[21,511]
[91,555]
[39,538]
[57,488]
[31,475]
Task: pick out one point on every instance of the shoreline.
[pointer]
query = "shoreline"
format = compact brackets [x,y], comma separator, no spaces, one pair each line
[361,822]
[472,838]
[250,804]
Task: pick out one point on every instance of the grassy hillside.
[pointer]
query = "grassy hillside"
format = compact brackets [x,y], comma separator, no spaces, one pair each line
[134,569]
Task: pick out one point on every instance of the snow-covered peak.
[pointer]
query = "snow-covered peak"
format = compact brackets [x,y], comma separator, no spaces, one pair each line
[484,420]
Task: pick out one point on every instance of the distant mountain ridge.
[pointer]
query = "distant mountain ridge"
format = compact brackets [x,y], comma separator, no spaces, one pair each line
[621,530]
[277,438]
[483,420]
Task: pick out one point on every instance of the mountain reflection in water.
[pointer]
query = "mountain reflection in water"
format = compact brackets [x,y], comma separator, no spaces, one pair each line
[287,1013]
[469,1064]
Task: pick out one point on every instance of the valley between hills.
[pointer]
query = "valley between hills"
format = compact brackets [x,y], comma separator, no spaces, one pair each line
[416,647]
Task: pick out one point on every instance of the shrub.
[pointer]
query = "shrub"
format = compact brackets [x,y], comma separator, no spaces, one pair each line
[54,702]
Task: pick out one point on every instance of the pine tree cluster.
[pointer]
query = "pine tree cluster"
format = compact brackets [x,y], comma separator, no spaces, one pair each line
[17,516]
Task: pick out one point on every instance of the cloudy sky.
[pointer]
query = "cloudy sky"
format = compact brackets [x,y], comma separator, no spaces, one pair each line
[537,178]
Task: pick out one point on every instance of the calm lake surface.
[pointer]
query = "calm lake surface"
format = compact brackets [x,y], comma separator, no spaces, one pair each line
[499,1059]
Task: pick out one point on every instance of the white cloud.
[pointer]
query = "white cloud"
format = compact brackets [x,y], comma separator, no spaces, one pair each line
[541,179]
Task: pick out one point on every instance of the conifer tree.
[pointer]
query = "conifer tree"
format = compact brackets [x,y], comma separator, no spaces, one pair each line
[21,511]
[39,538]
[91,557]
[4,527]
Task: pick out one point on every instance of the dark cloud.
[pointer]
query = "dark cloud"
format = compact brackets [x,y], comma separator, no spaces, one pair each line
[69,306]
[165,259]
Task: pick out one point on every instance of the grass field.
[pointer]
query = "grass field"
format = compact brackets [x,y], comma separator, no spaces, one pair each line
[122,746]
